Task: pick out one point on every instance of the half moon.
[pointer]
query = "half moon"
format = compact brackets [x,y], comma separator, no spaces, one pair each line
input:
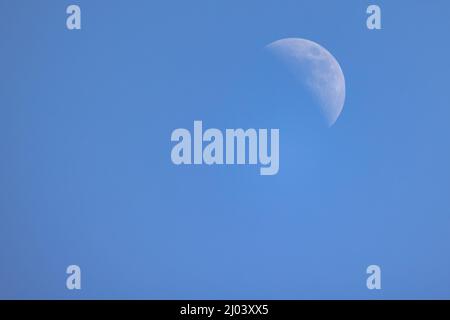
[318,70]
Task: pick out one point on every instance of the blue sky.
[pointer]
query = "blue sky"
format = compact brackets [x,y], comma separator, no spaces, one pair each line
[86,176]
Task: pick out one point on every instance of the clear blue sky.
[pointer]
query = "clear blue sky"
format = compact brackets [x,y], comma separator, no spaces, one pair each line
[86,176]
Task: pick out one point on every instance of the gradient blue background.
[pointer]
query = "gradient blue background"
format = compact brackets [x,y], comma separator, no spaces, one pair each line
[86,176]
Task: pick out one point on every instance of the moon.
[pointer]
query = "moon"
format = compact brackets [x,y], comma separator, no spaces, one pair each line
[318,70]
